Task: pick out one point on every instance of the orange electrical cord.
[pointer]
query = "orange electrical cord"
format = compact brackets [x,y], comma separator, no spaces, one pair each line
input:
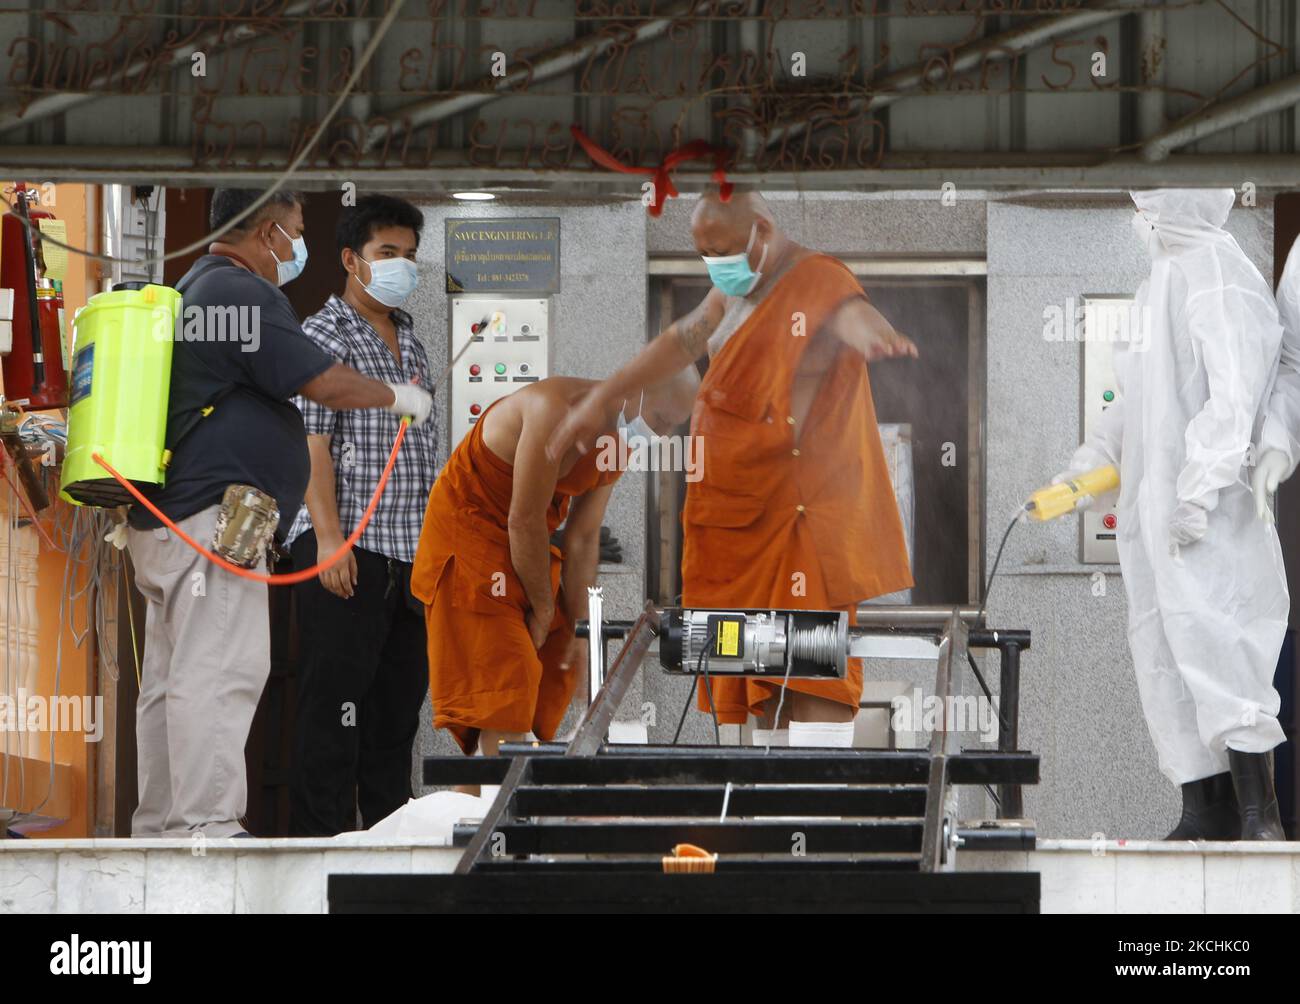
[289,578]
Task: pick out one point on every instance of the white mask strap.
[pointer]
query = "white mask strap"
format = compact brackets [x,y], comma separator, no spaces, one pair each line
[753,232]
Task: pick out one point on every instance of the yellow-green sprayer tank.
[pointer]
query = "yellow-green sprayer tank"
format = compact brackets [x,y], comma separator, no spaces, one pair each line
[117,394]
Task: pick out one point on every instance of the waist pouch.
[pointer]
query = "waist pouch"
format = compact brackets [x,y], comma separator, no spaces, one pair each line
[246,525]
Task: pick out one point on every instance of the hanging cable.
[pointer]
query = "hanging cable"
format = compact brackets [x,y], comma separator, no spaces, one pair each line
[380,31]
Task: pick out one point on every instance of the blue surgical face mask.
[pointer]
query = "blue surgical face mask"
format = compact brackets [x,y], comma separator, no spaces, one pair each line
[731,273]
[637,426]
[287,271]
[392,280]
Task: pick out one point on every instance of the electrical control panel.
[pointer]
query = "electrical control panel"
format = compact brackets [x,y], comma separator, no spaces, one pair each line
[509,349]
[1106,320]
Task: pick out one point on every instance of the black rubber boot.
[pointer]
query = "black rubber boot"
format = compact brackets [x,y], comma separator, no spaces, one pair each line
[1209,810]
[1252,777]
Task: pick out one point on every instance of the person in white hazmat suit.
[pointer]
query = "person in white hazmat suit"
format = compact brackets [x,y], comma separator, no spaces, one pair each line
[1207,595]
[1279,445]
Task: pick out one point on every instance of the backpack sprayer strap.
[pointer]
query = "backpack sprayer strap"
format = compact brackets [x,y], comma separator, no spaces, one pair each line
[191,421]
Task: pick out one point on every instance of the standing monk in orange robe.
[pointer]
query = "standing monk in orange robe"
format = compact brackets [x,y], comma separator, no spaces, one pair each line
[795,508]
[500,600]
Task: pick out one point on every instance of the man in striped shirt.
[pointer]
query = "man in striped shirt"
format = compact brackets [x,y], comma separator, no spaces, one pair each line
[362,670]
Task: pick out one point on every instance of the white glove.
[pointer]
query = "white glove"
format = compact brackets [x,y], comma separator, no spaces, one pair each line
[117,536]
[1264,479]
[1069,474]
[1187,525]
[1086,458]
[408,399]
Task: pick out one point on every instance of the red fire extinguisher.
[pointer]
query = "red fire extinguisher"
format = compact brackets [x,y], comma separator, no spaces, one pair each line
[33,369]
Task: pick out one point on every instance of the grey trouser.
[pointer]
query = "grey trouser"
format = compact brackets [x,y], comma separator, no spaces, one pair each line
[207,656]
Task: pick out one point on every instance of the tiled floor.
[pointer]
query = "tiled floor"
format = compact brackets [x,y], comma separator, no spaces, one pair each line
[177,876]
[289,876]
[1085,876]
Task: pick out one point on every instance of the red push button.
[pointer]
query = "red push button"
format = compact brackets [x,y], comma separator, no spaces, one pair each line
[474,409]
[1109,521]
[475,370]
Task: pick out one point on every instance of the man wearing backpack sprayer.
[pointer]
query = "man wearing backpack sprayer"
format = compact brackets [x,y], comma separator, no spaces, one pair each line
[230,421]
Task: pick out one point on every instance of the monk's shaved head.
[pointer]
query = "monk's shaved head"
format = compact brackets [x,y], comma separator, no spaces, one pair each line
[740,209]
[669,403]
[723,228]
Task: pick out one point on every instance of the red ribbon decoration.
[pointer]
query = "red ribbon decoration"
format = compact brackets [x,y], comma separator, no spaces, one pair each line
[664,188]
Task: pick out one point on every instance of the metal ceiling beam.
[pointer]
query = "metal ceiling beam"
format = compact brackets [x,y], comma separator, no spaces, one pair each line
[132,165]
[999,48]
[1152,45]
[553,63]
[1275,97]
[212,43]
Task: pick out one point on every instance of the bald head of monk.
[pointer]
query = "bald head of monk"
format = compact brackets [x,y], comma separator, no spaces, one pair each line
[742,223]
[669,403]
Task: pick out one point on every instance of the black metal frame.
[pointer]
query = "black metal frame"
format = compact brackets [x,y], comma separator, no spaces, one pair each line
[540,783]
[775,890]
[586,826]
[1009,644]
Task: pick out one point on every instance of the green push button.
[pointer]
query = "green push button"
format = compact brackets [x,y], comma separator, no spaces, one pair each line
[501,368]
[1108,396]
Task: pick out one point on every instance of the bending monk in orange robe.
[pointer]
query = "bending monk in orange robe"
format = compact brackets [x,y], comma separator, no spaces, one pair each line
[500,600]
[795,508]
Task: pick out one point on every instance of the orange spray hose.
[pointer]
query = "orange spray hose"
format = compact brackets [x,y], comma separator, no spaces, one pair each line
[289,578]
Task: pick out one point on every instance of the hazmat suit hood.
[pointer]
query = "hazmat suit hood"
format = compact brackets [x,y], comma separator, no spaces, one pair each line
[1186,217]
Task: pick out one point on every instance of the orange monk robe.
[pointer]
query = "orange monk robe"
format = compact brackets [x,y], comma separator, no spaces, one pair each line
[484,672]
[775,523]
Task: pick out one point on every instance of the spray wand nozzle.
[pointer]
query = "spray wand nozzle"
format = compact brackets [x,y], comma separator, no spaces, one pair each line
[1059,499]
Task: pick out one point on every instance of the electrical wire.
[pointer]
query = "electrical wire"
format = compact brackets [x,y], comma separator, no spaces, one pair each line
[979,622]
[1021,512]
[38,429]
[984,599]
[130,616]
[10,622]
[82,538]
[708,688]
[150,222]
[366,54]
[776,722]
[22,500]
[690,696]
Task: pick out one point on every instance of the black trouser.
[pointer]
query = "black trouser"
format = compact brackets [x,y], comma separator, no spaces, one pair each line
[362,676]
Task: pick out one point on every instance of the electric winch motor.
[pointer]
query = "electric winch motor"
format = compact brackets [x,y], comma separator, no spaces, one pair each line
[800,643]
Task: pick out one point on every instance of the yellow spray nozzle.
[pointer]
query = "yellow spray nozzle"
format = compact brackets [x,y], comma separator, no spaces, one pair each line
[1057,500]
